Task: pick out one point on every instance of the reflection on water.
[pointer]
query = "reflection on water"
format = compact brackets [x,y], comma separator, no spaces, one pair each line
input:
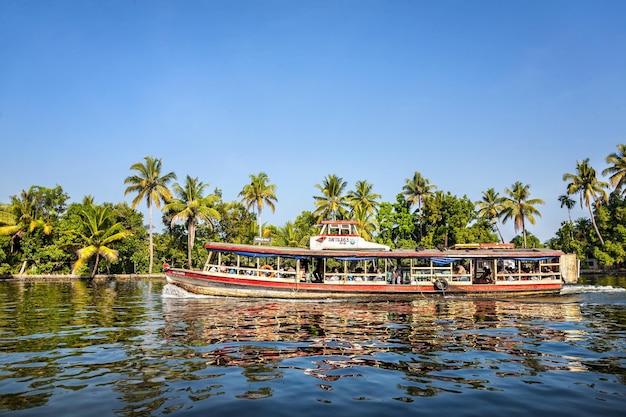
[144,348]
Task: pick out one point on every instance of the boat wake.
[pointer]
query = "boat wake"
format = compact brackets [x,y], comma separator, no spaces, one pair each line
[582,289]
[172,291]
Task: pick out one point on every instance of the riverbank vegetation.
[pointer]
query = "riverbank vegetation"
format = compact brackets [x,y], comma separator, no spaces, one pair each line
[40,233]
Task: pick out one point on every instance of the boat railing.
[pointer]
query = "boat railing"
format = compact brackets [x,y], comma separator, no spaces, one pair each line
[356,277]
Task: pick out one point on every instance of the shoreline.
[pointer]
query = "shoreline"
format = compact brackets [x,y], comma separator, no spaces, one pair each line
[69,278]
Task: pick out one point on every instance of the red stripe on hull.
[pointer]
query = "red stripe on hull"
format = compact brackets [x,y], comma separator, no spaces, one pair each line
[246,287]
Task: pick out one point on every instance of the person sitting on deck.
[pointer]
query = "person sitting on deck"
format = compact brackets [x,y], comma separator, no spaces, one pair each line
[397,276]
[485,277]
[460,270]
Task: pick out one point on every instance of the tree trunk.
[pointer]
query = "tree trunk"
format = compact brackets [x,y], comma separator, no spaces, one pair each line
[595,226]
[23,267]
[150,242]
[191,236]
[495,222]
[95,267]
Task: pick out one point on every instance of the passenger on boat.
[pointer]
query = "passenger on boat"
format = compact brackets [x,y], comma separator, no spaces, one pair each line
[510,271]
[460,270]
[359,274]
[335,275]
[397,275]
[485,278]
[371,274]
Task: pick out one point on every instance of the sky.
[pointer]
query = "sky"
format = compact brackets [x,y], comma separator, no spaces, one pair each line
[472,94]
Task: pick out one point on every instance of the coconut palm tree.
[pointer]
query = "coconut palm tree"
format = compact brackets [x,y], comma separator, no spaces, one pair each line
[332,203]
[363,197]
[365,222]
[617,169]
[98,231]
[150,186]
[8,221]
[259,193]
[191,206]
[569,203]
[290,236]
[490,207]
[520,207]
[585,183]
[417,189]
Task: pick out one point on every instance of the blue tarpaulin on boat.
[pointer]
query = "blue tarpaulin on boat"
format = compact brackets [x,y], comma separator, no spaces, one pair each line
[543,258]
[443,261]
[262,255]
[355,258]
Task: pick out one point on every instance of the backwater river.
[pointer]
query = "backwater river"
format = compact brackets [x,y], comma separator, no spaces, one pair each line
[141,348]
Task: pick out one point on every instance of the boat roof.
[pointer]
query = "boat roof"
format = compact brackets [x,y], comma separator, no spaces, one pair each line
[339,222]
[419,253]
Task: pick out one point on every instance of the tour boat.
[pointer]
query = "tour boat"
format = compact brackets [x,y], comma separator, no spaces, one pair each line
[339,264]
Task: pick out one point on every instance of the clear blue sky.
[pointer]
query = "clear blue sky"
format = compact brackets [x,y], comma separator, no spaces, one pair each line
[472,94]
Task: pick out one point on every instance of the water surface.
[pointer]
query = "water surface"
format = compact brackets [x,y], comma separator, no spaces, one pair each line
[142,348]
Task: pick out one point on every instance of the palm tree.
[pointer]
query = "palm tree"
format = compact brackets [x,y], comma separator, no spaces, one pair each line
[363,198]
[519,207]
[8,222]
[258,193]
[417,189]
[150,185]
[569,203]
[98,230]
[618,169]
[332,203]
[490,207]
[586,184]
[191,206]
[365,224]
[290,236]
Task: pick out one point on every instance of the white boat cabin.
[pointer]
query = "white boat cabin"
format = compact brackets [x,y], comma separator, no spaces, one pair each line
[342,235]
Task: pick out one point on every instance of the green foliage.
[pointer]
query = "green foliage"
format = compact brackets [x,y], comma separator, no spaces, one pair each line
[169,249]
[236,224]
[397,224]
[531,241]
[39,232]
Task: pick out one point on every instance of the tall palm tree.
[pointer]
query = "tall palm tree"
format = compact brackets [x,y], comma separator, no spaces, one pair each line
[151,186]
[490,207]
[363,197]
[417,189]
[332,203]
[98,231]
[617,169]
[191,206]
[585,183]
[259,193]
[365,223]
[566,201]
[520,207]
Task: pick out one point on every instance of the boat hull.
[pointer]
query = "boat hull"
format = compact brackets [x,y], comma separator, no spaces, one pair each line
[237,286]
